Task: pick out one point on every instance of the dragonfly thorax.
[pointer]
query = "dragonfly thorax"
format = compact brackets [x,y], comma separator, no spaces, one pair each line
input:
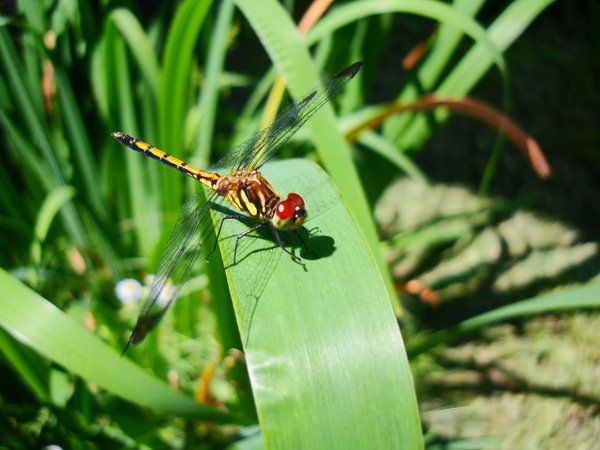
[249,192]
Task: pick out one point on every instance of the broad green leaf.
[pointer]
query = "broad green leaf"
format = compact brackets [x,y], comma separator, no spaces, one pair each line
[324,352]
[290,55]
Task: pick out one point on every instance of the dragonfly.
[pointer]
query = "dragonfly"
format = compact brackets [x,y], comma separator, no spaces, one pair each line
[236,179]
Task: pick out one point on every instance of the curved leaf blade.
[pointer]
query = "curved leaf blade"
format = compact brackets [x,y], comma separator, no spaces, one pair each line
[582,297]
[323,348]
[40,325]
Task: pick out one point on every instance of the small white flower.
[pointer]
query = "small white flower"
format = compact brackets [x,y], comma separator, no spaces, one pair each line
[128,290]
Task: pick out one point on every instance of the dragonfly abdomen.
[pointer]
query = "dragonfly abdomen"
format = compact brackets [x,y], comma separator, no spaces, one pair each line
[209,179]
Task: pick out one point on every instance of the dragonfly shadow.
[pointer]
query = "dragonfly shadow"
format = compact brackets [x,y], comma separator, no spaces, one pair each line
[308,244]
[312,244]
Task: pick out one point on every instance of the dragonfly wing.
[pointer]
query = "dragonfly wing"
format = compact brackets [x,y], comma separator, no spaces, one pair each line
[254,152]
[175,264]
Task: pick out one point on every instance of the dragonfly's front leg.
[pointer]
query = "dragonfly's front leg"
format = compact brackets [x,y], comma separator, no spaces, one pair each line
[223,219]
[281,244]
[244,234]
[304,244]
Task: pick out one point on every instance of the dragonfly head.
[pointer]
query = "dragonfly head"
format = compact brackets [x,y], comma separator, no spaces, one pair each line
[289,213]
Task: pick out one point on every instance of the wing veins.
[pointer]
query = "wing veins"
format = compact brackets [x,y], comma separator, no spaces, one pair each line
[265,143]
[183,247]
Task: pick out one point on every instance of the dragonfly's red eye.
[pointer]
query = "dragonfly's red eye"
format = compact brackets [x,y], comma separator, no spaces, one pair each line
[288,207]
[285,209]
[290,213]
[296,200]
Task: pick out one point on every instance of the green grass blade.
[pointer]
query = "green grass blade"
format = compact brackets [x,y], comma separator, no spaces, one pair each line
[323,348]
[503,32]
[210,89]
[32,369]
[248,119]
[99,78]
[19,148]
[587,296]
[80,146]
[46,215]
[428,73]
[472,67]
[354,11]
[35,127]
[140,45]
[143,200]
[290,55]
[455,20]
[387,150]
[40,325]
[175,97]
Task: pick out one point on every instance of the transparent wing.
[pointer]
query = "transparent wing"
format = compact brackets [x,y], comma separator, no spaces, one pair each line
[254,152]
[175,264]
[186,240]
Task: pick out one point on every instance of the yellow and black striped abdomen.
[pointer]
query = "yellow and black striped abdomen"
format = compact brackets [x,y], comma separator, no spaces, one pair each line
[209,179]
[246,190]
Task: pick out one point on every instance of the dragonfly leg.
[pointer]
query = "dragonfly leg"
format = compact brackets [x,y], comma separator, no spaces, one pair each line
[281,244]
[313,230]
[304,244]
[223,219]
[256,227]
[244,234]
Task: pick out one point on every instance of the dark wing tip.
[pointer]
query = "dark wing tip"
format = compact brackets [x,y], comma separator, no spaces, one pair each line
[349,71]
[139,332]
[129,342]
